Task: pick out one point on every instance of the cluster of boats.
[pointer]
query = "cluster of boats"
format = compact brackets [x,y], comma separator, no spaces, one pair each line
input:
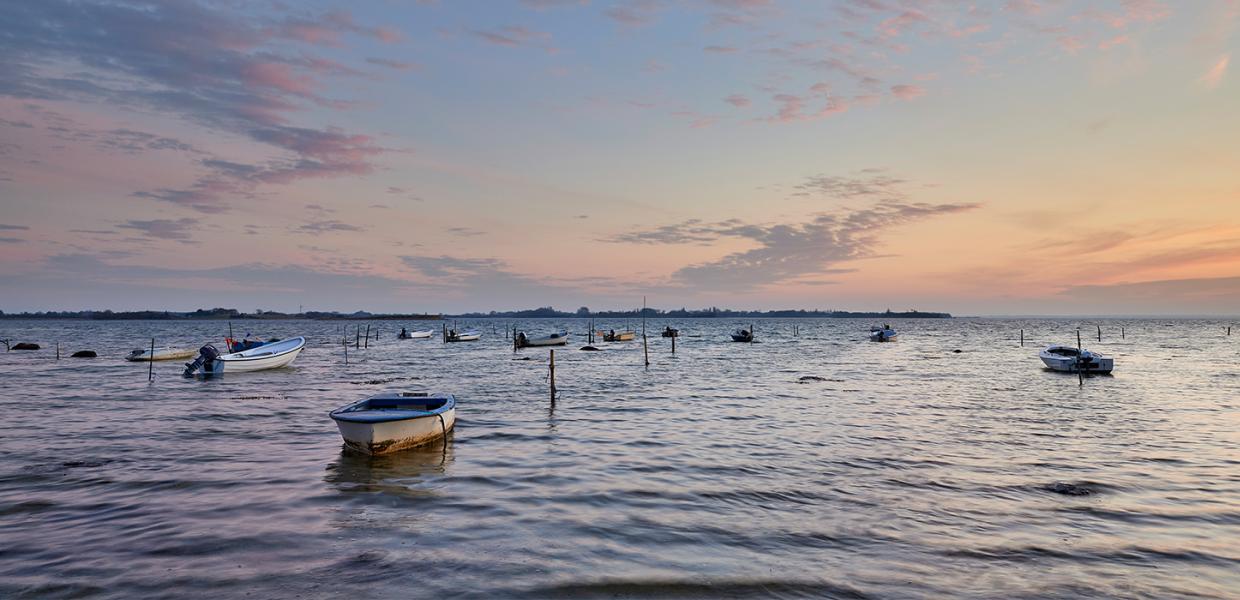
[394,421]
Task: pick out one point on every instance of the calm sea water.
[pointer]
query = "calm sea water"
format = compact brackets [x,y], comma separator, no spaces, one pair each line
[904,470]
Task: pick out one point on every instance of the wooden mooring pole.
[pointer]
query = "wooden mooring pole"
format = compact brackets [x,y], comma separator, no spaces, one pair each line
[1080,375]
[674,342]
[551,362]
[1022,338]
[367,335]
[346,351]
[1099,333]
[357,338]
[150,368]
[1122,335]
[57,350]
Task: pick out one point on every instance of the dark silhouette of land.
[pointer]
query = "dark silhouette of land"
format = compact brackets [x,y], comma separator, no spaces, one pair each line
[536,313]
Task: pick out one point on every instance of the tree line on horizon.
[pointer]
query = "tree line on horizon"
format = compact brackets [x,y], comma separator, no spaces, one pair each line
[534,313]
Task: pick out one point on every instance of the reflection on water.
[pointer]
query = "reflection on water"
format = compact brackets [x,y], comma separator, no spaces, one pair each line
[949,464]
[356,472]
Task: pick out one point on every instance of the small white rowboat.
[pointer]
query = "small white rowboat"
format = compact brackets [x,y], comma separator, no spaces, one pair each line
[886,334]
[1069,360]
[555,339]
[417,335]
[395,421]
[468,336]
[168,353]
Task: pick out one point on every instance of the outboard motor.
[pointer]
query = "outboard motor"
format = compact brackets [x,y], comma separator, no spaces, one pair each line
[206,360]
[521,339]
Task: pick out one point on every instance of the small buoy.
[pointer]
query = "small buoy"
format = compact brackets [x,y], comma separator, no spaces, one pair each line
[589,348]
[25,346]
[957,351]
[84,354]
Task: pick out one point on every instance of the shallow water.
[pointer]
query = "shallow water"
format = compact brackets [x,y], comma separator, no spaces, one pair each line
[905,470]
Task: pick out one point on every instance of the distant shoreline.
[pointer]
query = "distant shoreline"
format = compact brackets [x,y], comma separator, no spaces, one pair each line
[220,314]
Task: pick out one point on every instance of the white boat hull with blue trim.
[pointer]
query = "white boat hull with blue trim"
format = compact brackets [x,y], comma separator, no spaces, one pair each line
[556,339]
[272,355]
[395,421]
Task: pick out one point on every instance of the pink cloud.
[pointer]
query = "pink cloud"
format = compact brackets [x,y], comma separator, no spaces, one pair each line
[737,100]
[907,92]
[720,49]
[277,75]
[1215,75]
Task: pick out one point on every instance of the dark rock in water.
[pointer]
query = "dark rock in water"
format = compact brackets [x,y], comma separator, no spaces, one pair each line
[84,354]
[1068,489]
[809,378]
[523,358]
[957,351]
[589,348]
[25,346]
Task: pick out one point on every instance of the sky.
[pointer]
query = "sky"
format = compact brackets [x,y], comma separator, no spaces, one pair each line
[981,158]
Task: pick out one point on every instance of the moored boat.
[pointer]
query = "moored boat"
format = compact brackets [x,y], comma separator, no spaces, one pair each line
[1069,359]
[883,334]
[627,335]
[166,353]
[395,420]
[743,335]
[271,355]
[415,335]
[555,339]
[670,332]
[461,336]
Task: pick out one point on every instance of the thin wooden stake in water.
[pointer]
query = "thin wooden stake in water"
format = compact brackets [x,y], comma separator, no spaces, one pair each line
[357,338]
[150,368]
[1099,333]
[751,333]
[1022,338]
[552,363]
[674,343]
[645,346]
[1122,336]
[346,352]
[1080,375]
[367,335]
[57,350]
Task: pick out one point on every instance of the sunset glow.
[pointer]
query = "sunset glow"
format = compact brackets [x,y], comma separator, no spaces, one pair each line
[1027,157]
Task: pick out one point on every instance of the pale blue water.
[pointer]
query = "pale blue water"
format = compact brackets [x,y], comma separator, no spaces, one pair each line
[907,471]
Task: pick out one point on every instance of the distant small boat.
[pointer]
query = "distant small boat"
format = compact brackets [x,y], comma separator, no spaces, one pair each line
[742,335]
[271,355]
[883,334]
[669,332]
[167,353]
[395,421]
[618,336]
[1069,360]
[555,339]
[416,335]
[466,336]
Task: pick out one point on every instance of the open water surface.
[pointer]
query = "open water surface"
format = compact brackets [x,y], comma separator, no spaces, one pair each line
[820,465]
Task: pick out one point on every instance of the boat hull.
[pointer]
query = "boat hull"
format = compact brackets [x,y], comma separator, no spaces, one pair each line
[259,359]
[883,336]
[162,354]
[556,340]
[417,335]
[393,436]
[1090,363]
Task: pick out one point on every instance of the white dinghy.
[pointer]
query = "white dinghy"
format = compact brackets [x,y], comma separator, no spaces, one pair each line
[271,355]
[395,421]
[416,335]
[463,336]
[166,353]
[1069,359]
[883,334]
[556,339]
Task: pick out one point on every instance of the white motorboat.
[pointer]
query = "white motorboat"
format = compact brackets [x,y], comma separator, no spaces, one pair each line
[1071,360]
[463,336]
[556,339]
[165,353]
[883,334]
[416,335]
[271,355]
[395,420]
